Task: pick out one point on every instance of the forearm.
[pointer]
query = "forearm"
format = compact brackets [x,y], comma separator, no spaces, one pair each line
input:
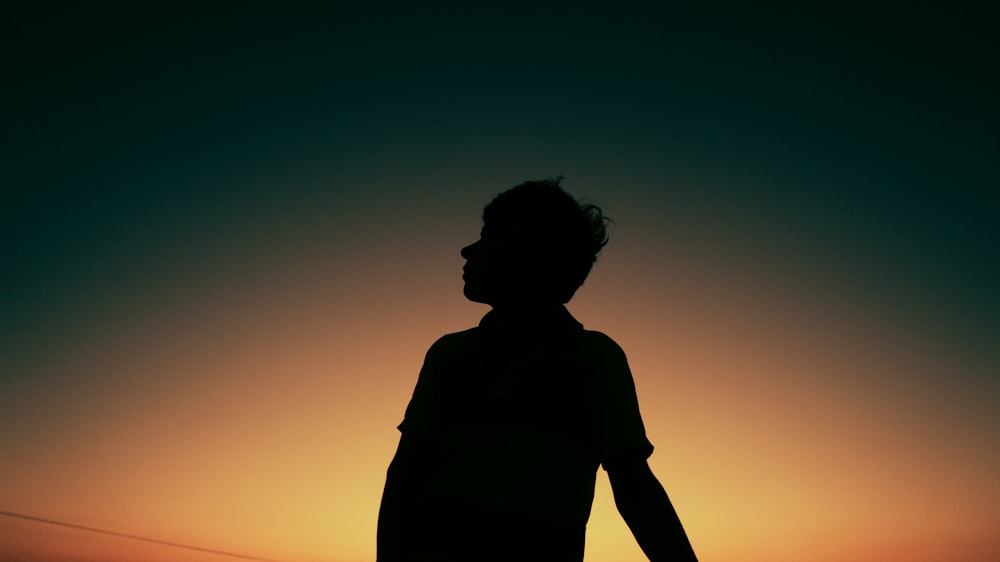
[649,514]
[397,518]
[399,514]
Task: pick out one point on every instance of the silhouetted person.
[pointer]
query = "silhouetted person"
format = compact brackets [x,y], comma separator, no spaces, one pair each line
[510,420]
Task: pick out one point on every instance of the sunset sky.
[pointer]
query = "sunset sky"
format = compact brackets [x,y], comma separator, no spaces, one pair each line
[230,233]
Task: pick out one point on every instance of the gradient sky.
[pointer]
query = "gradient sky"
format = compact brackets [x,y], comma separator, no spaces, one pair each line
[230,233]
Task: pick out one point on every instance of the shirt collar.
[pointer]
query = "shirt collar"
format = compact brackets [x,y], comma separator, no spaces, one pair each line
[544,324]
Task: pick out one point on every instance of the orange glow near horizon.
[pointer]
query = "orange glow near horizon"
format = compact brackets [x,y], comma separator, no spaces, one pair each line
[229,235]
[258,417]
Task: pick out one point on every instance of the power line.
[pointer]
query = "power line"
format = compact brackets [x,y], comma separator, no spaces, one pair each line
[133,537]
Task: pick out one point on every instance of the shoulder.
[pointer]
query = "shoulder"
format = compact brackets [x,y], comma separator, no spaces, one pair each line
[593,337]
[598,344]
[456,343]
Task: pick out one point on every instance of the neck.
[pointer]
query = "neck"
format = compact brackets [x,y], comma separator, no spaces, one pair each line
[525,311]
[523,321]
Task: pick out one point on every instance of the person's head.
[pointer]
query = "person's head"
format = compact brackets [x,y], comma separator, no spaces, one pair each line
[537,246]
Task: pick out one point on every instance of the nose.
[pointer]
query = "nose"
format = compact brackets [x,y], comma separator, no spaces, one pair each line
[468,251]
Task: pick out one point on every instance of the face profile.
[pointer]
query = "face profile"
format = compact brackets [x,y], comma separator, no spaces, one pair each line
[537,246]
[503,268]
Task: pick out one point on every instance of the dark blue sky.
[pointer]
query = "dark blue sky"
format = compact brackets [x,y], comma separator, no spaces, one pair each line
[131,130]
[212,212]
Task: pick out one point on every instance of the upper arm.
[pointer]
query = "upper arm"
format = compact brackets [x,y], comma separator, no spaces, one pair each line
[617,425]
[414,457]
[627,469]
[422,416]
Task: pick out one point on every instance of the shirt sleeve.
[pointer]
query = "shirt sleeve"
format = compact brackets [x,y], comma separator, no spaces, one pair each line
[616,423]
[421,416]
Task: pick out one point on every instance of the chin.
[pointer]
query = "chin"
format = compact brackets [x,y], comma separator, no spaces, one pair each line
[475,296]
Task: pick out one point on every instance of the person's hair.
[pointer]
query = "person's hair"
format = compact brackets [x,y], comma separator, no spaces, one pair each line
[569,232]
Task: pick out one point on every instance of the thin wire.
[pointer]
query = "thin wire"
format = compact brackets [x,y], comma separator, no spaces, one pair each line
[128,536]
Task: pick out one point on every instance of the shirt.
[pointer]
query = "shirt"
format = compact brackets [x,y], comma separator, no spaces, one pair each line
[523,417]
